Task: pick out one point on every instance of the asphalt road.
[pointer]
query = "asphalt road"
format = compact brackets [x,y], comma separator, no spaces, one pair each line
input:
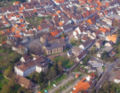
[69,88]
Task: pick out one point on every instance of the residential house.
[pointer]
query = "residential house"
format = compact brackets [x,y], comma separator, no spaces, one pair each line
[108,47]
[76,33]
[108,21]
[112,53]
[76,51]
[24,82]
[97,64]
[81,56]
[26,66]
[68,28]
[99,43]
[112,38]
[20,49]
[87,44]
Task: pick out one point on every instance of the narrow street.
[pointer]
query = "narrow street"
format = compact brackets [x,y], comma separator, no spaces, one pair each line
[65,81]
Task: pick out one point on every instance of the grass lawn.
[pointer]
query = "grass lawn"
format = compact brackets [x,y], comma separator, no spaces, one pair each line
[2,81]
[75,42]
[77,69]
[59,79]
[66,62]
[35,21]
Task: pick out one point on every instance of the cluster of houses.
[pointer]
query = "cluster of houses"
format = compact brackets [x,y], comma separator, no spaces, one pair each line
[92,22]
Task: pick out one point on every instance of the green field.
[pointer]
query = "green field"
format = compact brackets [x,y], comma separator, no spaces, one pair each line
[3,81]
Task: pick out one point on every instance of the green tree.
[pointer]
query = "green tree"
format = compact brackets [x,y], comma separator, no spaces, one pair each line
[42,77]
[8,88]
[8,72]
[5,89]
[23,90]
[60,67]
[110,87]
[52,73]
